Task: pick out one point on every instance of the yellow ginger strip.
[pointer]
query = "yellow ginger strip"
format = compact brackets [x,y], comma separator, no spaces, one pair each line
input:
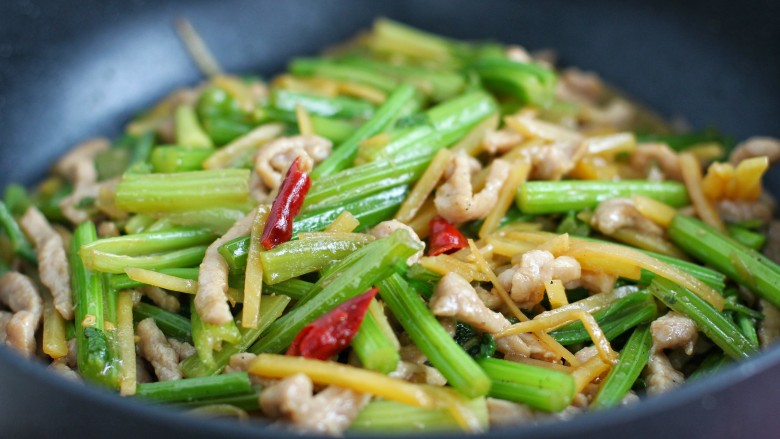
[591,304]
[717,179]
[610,145]
[54,343]
[588,372]
[506,247]
[471,144]
[200,53]
[585,252]
[253,279]
[594,167]
[747,178]
[162,280]
[706,152]
[126,340]
[646,241]
[691,174]
[545,338]
[557,245]
[317,85]
[557,320]
[531,127]
[654,210]
[520,227]
[236,88]
[243,145]
[424,186]
[342,375]
[443,264]
[506,196]
[556,293]
[305,125]
[344,223]
[362,91]
[421,223]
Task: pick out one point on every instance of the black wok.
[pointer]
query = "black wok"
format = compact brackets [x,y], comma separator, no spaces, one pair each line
[71,70]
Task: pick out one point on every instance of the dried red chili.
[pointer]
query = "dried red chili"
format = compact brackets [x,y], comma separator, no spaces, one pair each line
[444,237]
[286,205]
[331,333]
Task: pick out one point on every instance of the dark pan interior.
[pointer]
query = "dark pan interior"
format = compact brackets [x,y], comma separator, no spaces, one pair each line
[71,70]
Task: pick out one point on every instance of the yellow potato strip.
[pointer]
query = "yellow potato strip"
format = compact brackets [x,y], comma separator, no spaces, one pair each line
[506,196]
[507,248]
[162,280]
[471,144]
[611,144]
[646,241]
[250,141]
[253,280]
[556,293]
[424,186]
[126,340]
[747,178]
[654,210]
[305,125]
[557,245]
[531,127]
[345,222]
[342,375]
[365,92]
[443,264]
[557,320]
[200,53]
[54,343]
[587,252]
[588,372]
[692,176]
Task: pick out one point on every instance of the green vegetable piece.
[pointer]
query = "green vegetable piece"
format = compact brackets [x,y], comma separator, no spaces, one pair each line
[622,376]
[541,388]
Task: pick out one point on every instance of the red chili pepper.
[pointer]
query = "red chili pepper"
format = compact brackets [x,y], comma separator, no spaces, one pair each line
[331,333]
[444,237]
[286,205]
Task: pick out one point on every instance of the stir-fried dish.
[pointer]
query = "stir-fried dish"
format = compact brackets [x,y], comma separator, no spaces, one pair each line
[406,233]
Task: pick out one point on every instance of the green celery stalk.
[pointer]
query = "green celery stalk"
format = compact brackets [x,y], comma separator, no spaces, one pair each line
[111,263]
[622,376]
[429,336]
[747,237]
[529,83]
[353,275]
[383,416]
[188,129]
[740,263]
[193,389]
[722,331]
[372,344]
[545,197]
[538,387]
[328,106]
[21,246]
[169,159]
[209,338]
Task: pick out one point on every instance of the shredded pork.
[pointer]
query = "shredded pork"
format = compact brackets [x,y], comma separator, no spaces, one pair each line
[526,280]
[455,199]
[52,259]
[756,147]
[619,213]
[276,156]
[157,351]
[386,228]
[211,300]
[648,154]
[19,294]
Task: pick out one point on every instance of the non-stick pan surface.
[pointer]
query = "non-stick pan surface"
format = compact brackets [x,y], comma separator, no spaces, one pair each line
[71,70]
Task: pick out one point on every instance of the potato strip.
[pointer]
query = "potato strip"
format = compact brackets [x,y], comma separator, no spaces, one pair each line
[243,145]
[588,372]
[126,341]
[654,210]
[424,186]
[588,252]
[342,375]
[506,196]
[551,322]
[253,280]
[54,343]
[305,125]
[421,223]
[556,293]
[162,280]
[691,174]
[344,223]
[443,264]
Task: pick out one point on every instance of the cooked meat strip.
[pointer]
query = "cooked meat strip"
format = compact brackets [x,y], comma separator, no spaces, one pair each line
[646,154]
[772,246]
[501,141]
[526,280]
[211,299]
[552,161]
[60,367]
[161,298]
[5,318]
[617,213]
[386,228]
[183,349]
[661,375]
[107,229]
[52,260]
[69,165]
[578,86]
[418,373]
[455,297]
[502,413]
[769,326]
[19,294]
[455,199]
[157,351]
[735,211]
[756,147]
[330,412]
[273,158]
[674,331]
